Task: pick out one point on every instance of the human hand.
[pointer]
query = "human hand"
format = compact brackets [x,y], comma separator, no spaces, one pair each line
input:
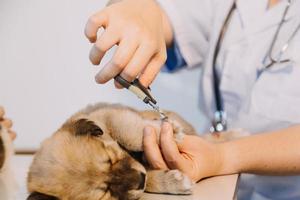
[194,156]
[7,123]
[141,31]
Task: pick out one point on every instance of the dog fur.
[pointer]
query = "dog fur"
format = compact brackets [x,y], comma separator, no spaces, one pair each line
[97,155]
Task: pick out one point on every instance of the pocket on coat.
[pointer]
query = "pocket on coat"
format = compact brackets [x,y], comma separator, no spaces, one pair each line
[276,93]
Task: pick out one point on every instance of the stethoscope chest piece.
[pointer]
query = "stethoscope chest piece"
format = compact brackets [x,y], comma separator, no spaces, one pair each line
[219,122]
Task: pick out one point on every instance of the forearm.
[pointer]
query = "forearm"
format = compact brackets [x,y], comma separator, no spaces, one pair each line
[274,153]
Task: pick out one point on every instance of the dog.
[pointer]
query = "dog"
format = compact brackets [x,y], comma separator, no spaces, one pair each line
[8,184]
[97,155]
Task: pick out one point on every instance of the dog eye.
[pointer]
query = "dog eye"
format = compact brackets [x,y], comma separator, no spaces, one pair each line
[85,127]
[40,196]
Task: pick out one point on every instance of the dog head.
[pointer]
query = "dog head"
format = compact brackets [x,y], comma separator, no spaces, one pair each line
[82,161]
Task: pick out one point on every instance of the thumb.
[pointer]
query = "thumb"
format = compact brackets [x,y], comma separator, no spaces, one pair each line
[169,147]
[95,22]
[151,149]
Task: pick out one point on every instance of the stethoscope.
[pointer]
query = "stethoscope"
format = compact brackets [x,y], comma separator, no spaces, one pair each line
[219,121]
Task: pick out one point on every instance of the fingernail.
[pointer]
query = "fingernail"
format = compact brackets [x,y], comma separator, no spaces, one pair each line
[99,78]
[147,131]
[118,85]
[167,126]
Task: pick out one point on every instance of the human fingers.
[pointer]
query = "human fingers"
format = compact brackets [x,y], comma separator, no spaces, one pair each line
[139,61]
[105,42]
[7,123]
[169,148]
[93,24]
[2,112]
[151,149]
[121,58]
[152,69]
[12,134]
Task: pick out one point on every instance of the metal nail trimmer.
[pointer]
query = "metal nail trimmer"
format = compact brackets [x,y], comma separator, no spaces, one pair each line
[141,92]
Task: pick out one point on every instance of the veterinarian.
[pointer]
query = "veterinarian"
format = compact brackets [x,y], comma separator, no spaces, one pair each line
[249,54]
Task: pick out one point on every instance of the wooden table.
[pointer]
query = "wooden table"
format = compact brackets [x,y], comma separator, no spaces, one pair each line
[216,188]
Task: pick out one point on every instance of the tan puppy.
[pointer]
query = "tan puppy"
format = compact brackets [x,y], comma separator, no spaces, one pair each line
[7,182]
[97,155]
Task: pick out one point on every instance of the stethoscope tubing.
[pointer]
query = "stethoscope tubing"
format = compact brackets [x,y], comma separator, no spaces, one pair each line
[219,122]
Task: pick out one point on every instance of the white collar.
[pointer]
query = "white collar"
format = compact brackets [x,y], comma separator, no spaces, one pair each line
[256,17]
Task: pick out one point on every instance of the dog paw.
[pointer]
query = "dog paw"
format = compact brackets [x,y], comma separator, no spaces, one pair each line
[178,182]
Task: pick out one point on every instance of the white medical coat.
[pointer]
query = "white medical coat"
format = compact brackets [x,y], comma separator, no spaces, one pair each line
[255,99]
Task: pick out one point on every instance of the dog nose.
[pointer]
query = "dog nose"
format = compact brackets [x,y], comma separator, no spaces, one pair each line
[142,181]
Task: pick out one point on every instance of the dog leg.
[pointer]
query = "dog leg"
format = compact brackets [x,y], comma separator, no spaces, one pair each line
[168,181]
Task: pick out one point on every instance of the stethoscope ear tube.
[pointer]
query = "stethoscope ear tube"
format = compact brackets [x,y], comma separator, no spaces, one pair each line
[219,121]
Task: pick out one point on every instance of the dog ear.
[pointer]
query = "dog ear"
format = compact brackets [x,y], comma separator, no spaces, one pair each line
[40,196]
[84,127]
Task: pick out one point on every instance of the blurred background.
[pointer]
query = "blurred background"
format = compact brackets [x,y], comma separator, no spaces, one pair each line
[45,73]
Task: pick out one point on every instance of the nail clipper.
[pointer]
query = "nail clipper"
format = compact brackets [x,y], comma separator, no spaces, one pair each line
[142,93]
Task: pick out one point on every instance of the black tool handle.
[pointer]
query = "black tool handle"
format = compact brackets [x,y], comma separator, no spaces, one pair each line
[122,81]
[137,83]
